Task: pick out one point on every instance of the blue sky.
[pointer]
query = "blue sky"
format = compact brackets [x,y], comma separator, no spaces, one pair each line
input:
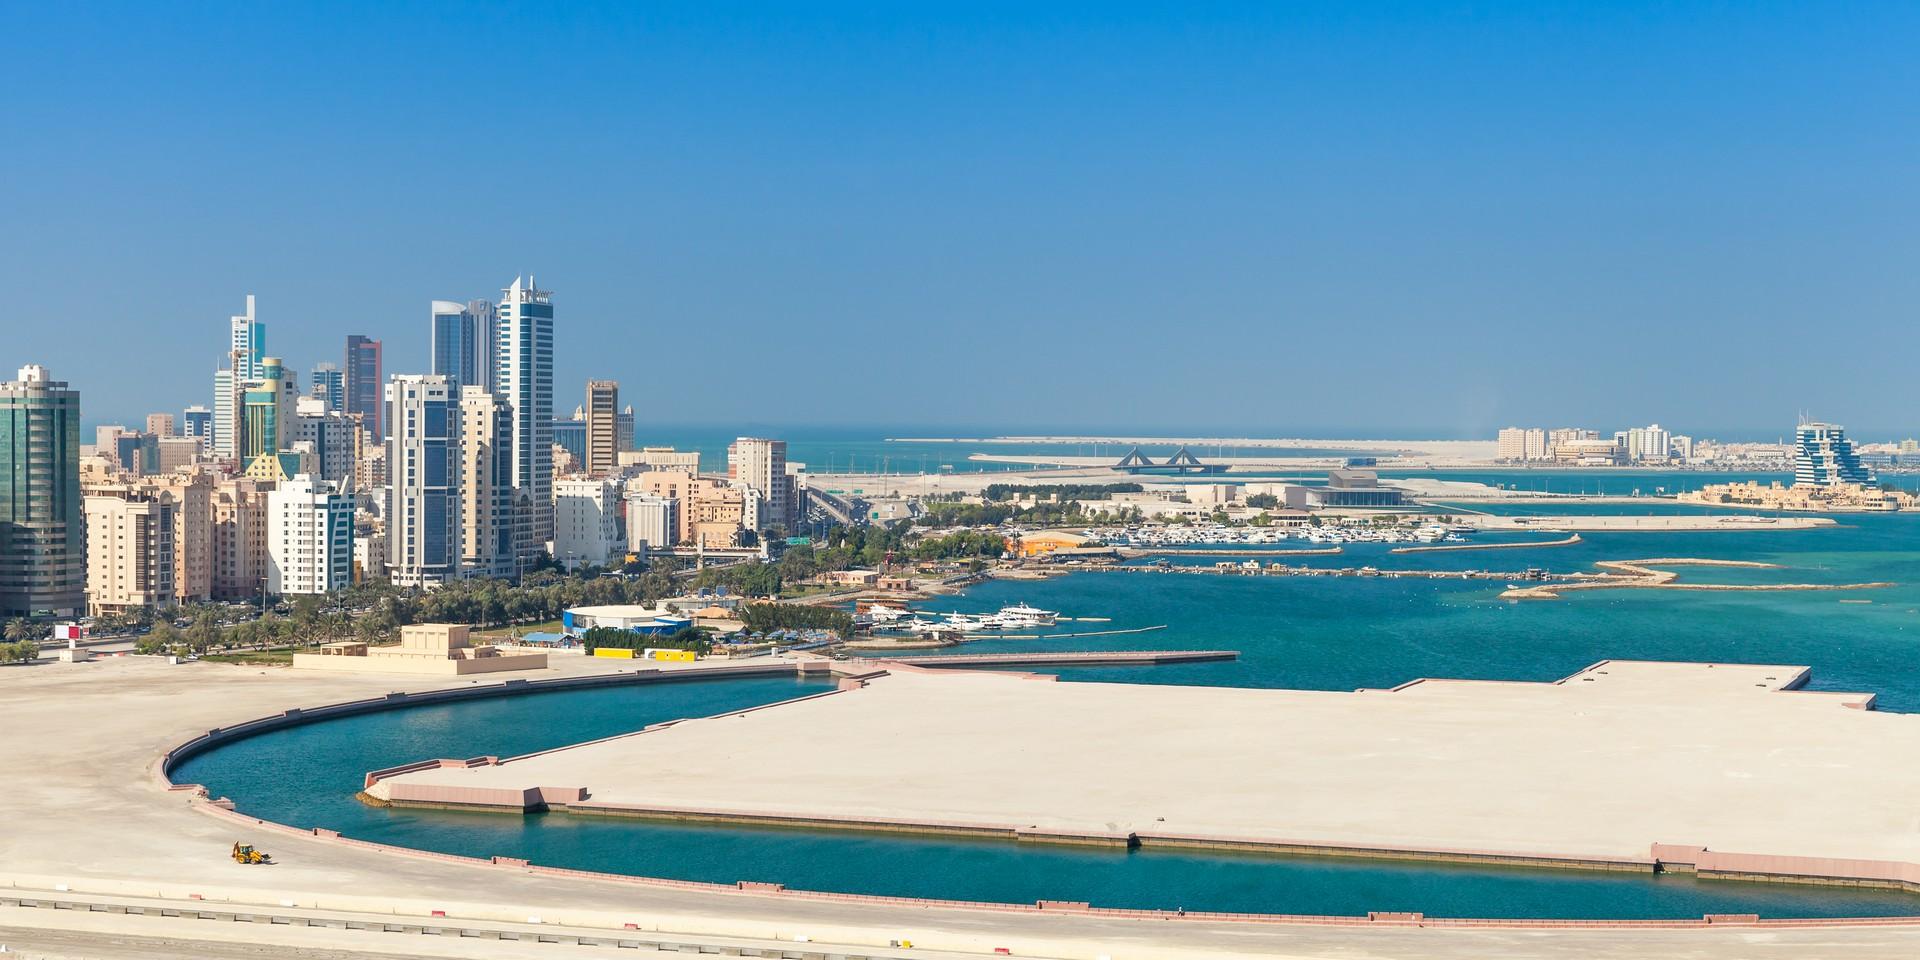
[1343,218]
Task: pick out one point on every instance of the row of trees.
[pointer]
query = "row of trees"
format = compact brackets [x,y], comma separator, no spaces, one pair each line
[762,617]
[1065,491]
[614,638]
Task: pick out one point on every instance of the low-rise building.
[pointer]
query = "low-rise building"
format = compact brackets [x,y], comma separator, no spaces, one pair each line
[427,648]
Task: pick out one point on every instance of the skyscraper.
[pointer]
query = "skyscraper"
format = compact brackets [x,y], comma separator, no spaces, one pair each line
[602,414]
[486,322]
[525,365]
[268,412]
[330,387]
[246,351]
[423,498]
[488,524]
[361,383]
[42,540]
[1823,455]
[461,344]
[248,343]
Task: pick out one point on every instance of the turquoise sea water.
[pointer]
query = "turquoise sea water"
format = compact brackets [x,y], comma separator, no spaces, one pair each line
[1320,633]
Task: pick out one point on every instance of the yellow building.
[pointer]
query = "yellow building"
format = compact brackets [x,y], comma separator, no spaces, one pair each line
[1042,542]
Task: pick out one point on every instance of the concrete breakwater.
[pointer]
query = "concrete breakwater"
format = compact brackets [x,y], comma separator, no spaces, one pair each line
[1644,575]
[1449,547]
[1228,552]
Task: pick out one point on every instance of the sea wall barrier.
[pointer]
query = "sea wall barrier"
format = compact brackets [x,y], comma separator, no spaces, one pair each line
[295,716]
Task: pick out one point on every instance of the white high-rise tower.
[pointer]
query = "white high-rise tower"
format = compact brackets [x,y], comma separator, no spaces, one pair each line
[524,366]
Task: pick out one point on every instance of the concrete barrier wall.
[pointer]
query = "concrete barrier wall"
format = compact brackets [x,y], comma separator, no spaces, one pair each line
[1898,874]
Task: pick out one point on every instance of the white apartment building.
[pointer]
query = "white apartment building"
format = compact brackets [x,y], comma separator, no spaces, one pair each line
[762,465]
[653,523]
[586,521]
[309,537]
[524,370]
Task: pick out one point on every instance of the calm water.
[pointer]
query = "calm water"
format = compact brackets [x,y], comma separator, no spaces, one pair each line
[307,776]
[1322,633]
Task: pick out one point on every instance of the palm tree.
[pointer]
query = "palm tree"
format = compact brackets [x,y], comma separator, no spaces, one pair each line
[20,629]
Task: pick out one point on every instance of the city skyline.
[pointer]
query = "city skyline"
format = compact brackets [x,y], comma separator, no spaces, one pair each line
[1200,204]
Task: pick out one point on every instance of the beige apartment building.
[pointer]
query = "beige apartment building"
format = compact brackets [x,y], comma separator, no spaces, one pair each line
[708,511]
[130,551]
[192,533]
[239,539]
[602,414]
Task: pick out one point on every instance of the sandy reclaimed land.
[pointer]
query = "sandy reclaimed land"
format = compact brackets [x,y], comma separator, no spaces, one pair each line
[1605,764]
[92,817]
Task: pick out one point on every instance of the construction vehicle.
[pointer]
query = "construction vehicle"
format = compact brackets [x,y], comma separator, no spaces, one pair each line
[245,853]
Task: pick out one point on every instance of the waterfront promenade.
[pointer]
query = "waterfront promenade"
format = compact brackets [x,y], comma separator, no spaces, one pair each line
[107,830]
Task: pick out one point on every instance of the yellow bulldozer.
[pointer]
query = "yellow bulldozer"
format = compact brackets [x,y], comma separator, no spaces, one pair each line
[245,853]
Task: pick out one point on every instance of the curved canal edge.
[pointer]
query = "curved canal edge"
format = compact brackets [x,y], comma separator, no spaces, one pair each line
[854,675]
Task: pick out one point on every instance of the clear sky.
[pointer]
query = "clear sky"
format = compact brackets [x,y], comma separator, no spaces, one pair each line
[1277,219]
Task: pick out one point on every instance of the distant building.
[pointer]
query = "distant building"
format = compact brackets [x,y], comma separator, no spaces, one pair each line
[309,537]
[197,422]
[1510,444]
[42,527]
[1346,489]
[246,353]
[1822,455]
[331,435]
[662,458]
[362,384]
[160,424]
[330,387]
[423,486]
[461,343]
[1592,452]
[602,415]
[1651,443]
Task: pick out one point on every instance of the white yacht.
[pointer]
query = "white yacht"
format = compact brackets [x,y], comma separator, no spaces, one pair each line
[1030,615]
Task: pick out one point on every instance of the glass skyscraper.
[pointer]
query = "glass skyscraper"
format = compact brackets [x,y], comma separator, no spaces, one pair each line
[363,384]
[43,565]
[423,460]
[462,345]
[525,375]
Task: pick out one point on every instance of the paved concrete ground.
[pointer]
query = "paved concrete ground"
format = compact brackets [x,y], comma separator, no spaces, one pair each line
[1606,764]
[87,812]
